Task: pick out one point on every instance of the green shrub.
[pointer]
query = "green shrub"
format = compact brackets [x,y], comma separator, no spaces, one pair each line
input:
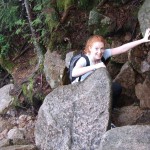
[4,46]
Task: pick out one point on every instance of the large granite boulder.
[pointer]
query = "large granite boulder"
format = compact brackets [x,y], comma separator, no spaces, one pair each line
[143,93]
[5,99]
[130,115]
[139,59]
[53,68]
[126,78]
[127,138]
[144,16]
[74,117]
[19,147]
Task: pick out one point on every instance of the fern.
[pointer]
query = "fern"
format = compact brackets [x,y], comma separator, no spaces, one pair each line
[4,46]
[9,13]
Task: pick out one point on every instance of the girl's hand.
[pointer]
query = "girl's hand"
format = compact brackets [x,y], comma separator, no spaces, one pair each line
[146,36]
[99,65]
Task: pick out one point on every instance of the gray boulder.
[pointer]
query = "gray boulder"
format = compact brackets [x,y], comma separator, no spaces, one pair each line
[130,115]
[19,147]
[143,93]
[53,68]
[5,98]
[99,23]
[127,138]
[144,16]
[75,116]
[126,78]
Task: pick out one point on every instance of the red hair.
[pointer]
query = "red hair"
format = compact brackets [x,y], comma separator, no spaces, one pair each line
[91,40]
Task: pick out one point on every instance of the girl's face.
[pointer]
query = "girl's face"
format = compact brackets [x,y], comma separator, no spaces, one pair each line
[97,50]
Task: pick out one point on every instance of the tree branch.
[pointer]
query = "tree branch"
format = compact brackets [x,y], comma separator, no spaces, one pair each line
[36,44]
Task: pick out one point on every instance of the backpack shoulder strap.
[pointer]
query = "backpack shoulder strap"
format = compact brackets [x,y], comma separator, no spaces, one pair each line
[87,62]
[73,62]
[105,61]
[87,59]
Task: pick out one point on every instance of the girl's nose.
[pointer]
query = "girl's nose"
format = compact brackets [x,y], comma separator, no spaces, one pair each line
[99,51]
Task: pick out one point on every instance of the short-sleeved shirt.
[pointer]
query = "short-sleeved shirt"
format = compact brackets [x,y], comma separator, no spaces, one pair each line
[82,60]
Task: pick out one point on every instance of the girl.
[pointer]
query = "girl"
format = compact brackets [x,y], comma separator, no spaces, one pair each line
[94,50]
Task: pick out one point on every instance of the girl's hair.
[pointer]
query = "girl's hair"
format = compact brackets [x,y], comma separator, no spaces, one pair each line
[91,40]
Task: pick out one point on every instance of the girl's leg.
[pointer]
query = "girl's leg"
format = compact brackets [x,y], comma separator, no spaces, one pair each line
[116,92]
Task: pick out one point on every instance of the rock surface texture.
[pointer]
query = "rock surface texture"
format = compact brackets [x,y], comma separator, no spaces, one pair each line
[127,138]
[75,116]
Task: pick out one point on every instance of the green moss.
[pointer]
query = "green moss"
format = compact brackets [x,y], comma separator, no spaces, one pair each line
[68,3]
[52,20]
[34,61]
[87,4]
[39,96]
[16,102]
[57,42]
[24,89]
[64,5]
[60,5]
[6,64]
[103,31]
[27,90]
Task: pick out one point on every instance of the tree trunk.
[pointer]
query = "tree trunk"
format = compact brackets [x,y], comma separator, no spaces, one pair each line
[36,44]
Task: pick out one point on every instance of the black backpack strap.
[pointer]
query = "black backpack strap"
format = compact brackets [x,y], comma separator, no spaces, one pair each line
[105,61]
[87,62]
[73,62]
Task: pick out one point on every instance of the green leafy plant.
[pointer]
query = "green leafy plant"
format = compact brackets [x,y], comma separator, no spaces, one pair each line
[64,5]
[4,46]
[87,4]
[27,90]
[9,14]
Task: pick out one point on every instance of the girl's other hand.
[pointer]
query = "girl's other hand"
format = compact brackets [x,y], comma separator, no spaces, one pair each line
[146,36]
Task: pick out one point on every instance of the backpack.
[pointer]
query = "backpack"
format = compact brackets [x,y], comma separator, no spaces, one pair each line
[73,62]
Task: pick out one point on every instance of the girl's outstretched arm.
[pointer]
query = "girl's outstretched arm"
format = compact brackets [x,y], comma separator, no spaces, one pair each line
[128,46]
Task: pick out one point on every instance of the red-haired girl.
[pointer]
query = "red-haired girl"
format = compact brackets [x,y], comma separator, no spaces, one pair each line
[95,49]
